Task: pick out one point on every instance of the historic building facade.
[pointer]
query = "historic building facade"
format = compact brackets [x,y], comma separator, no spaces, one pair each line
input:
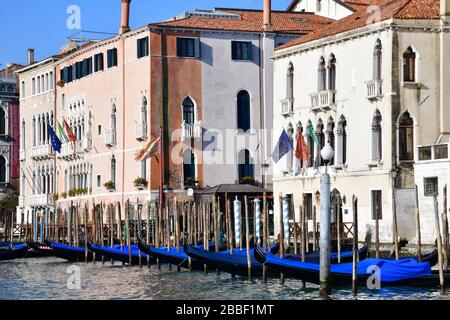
[194,76]
[375,90]
[37,157]
[9,134]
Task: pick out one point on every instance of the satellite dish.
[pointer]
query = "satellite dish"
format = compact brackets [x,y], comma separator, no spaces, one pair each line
[190,192]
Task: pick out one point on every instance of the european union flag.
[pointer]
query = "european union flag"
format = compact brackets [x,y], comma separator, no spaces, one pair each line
[283,146]
[56,143]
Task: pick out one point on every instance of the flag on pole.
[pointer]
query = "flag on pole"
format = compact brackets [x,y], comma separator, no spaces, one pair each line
[149,151]
[69,133]
[283,146]
[56,143]
[302,151]
[61,135]
[314,137]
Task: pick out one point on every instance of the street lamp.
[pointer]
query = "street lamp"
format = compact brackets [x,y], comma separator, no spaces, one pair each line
[327,154]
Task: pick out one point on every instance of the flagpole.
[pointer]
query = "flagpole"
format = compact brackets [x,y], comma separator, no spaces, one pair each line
[161,169]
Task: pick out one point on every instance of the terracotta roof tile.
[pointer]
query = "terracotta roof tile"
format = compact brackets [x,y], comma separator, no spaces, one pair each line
[252,21]
[398,9]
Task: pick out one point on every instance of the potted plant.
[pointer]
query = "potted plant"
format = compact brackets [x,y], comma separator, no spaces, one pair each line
[109,186]
[72,193]
[247,180]
[55,197]
[64,195]
[60,83]
[140,183]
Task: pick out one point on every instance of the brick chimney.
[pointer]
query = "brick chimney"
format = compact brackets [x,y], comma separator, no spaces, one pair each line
[30,56]
[125,22]
[268,15]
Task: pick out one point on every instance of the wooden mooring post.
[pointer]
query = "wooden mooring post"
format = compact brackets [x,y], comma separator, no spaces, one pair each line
[355,246]
[280,198]
[439,242]
[247,239]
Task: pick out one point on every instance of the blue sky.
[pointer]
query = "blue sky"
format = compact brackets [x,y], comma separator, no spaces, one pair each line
[42,24]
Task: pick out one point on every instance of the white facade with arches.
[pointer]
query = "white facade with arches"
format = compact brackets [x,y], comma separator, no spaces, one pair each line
[386,113]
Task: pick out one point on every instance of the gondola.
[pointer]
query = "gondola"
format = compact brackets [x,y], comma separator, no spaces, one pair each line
[17,251]
[180,258]
[69,253]
[346,256]
[121,255]
[235,263]
[404,272]
[39,250]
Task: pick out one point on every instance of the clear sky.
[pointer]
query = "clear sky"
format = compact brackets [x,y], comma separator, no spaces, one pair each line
[41,24]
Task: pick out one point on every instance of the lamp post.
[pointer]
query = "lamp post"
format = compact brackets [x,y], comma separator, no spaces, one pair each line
[325,223]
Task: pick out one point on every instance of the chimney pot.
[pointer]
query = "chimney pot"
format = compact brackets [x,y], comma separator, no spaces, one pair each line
[30,56]
[125,22]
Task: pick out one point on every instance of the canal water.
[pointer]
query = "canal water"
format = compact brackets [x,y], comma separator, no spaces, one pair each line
[52,278]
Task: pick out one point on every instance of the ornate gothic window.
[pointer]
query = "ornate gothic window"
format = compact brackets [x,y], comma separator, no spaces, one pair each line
[377,141]
[290,82]
[332,72]
[3,122]
[406,137]
[321,75]
[409,65]
[188,111]
[377,60]
[3,170]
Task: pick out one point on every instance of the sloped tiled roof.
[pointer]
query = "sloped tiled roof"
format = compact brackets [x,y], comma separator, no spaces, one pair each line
[351,4]
[390,9]
[252,21]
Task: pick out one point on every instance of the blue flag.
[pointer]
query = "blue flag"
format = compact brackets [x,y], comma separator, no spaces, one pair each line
[283,146]
[56,143]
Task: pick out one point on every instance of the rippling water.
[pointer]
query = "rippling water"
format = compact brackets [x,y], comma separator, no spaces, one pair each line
[46,278]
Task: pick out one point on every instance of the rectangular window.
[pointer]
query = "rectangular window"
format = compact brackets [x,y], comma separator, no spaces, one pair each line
[87,67]
[112,57]
[63,101]
[78,70]
[188,47]
[377,208]
[99,181]
[241,50]
[142,47]
[308,206]
[98,62]
[406,144]
[99,130]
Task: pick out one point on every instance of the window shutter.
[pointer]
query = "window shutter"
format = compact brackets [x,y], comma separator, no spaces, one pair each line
[101,61]
[108,57]
[179,49]
[139,48]
[197,48]
[233,50]
[145,46]
[249,51]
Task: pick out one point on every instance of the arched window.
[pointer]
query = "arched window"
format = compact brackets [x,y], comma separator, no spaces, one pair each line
[22,89]
[246,167]
[290,82]
[189,168]
[377,141]
[310,142]
[3,170]
[3,122]
[144,115]
[377,60]
[321,75]
[290,154]
[332,72]
[409,65]
[406,137]
[113,117]
[330,138]
[342,132]
[188,111]
[243,110]
[113,170]
[321,137]
[33,85]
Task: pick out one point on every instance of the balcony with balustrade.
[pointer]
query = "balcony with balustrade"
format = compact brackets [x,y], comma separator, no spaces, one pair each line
[287,106]
[110,138]
[141,131]
[42,152]
[191,131]
[374,89]
[323,100]
[41,200]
